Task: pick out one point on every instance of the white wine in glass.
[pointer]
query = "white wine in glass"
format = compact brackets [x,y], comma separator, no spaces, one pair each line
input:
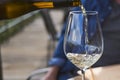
[83,42]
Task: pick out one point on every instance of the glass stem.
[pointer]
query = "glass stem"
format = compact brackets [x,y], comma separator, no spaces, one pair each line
[83,74]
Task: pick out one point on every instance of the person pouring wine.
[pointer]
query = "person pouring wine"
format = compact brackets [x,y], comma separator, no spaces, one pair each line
[109,14]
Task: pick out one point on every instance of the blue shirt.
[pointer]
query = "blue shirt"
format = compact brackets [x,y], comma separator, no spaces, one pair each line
[59,59]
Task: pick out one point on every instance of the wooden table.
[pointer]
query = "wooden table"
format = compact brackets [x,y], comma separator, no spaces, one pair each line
[102,73]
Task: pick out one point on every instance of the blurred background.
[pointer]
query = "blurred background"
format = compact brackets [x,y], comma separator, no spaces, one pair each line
[26,43]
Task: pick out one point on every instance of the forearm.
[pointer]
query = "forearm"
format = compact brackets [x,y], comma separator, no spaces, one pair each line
[52,73]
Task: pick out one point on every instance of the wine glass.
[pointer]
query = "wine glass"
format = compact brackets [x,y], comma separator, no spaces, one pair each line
[83,41]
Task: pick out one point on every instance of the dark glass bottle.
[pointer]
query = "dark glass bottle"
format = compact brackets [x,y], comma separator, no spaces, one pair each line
[14,8]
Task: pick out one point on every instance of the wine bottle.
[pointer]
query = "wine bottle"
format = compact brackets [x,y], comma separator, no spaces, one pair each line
[15,8]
